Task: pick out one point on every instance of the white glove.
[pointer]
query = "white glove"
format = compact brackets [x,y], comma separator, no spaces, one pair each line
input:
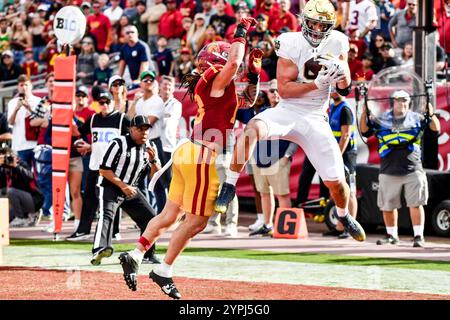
[323,80]
[331,63]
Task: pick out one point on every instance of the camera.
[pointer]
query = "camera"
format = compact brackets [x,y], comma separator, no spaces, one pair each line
[9,156]
[22,95]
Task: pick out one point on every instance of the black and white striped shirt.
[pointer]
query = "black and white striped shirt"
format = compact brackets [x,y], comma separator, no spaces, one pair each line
[126,159]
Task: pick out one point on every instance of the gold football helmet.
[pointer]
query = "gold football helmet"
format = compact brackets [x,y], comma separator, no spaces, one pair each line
[319,18]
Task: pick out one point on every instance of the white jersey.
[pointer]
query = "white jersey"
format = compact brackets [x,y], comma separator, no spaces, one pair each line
[294,46]
[153,106]
[361,14]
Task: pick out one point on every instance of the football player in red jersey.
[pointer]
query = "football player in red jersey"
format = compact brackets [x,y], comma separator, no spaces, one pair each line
[195,183]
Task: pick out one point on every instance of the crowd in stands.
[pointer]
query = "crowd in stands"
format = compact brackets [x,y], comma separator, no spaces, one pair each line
[150,45]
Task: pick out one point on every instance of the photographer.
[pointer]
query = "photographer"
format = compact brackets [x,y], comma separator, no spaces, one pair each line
[25,199]
[19,110]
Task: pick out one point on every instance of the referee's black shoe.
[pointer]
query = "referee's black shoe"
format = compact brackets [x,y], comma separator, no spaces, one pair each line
[130,270]
[166,284]
[352,226]
[100,254]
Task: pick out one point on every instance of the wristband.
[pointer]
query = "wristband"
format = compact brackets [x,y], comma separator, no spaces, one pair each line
[241,31]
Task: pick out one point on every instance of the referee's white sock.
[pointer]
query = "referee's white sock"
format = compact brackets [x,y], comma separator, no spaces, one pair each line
[232,177]
[164,270]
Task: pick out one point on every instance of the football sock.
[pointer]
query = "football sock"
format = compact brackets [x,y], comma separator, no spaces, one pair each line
[137,255]
[232,177]
[341,212]
[164,270]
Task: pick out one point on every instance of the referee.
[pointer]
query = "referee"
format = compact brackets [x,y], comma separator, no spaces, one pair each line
[126,158]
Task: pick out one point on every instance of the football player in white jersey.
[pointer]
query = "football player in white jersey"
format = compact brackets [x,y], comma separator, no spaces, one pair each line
[309,63]
[363,14]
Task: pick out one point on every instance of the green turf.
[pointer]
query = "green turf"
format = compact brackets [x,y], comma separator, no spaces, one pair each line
[261,255]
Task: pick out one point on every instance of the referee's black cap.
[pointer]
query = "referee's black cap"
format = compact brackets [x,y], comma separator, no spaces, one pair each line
[102,93]
[140,121]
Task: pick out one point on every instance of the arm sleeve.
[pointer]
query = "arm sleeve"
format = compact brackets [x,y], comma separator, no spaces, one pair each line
[111,156]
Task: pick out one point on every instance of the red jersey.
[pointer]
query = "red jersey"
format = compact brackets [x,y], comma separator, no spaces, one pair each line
[30,68]
[215,115]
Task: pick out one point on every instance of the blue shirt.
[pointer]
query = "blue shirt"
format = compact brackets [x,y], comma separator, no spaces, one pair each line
[133,57]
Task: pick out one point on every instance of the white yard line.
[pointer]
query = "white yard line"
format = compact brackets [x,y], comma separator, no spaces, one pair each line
[358,277]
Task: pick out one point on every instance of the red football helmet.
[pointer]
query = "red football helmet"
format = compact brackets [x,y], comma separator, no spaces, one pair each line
[214,53]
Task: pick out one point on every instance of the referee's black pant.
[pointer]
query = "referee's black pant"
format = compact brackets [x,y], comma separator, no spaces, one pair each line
[110,200]
[90,205]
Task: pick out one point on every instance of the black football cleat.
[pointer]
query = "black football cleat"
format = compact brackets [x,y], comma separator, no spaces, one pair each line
[130,270]
[352,226]
[263,231]
[166,284]
[226,195]
[152,259]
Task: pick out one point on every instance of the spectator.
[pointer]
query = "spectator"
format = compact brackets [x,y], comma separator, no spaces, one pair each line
[269,61]
[185,63]
[164,58]
[25,199]
[20,108]
[48,55]
[119,38]
[401,25]
[285,18]
[387,10]
[9,70]
[261,30]
[108,124]
[221,21]
[36,29]
[241,12]
[133,55]
[114,12]
[401,169]
[151,106]
[353,63]
[363,14]
[86,8]
[388,56]
[406,59]
[141,26]
[87,61]
[354,38]
[365,73]
[170,25]
[100,28]
[30,67]
[208,10]
[187,8]
[20,39]
[210,35]
[119,92]
[375,49]
[171,119]
[40,118]
[195,32]
[443,21]
[103,72]
[187,23]
[130,9]
[5,130]
[151,17]
[271,9]
[5,35]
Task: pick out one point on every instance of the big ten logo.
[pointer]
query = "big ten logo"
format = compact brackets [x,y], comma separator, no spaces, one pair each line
[443,141]
[290,223]
[67,24]
[103,136]
[73,281]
